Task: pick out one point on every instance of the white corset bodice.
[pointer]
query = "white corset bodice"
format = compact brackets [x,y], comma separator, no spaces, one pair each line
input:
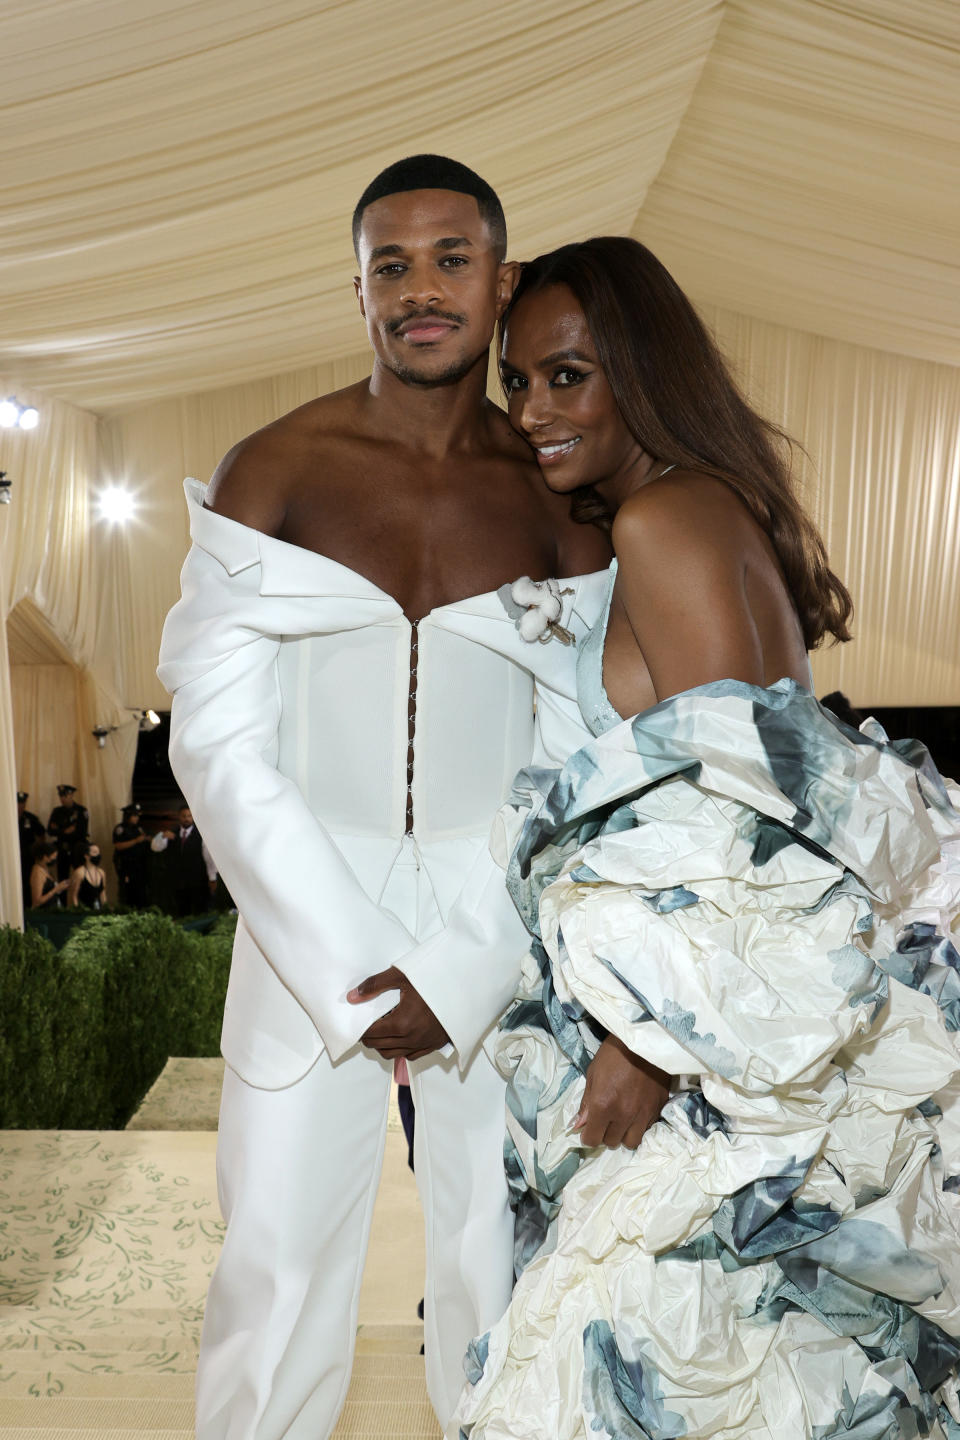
[343,732]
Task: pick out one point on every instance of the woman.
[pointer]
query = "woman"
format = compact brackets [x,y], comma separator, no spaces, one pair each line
[45,889]
[742,962]
[87,879]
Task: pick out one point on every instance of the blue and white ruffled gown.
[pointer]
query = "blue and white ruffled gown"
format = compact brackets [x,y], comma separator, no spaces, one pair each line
[764,903]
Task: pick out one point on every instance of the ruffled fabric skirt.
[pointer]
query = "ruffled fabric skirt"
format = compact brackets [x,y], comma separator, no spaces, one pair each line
[760,902]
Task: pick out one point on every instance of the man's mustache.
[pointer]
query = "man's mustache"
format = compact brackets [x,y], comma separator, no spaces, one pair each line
[412,315]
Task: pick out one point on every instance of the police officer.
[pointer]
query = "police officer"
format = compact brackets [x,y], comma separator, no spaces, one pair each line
[69,824]
[30,832]
[131,857]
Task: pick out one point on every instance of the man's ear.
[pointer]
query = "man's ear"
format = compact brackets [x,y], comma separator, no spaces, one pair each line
[358,291]
[507,283]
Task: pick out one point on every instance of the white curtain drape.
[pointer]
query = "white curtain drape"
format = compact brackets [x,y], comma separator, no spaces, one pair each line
[56,562]
[883,437]
[55,708]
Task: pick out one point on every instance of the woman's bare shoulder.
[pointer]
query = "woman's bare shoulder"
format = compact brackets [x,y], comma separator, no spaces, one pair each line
[684,507]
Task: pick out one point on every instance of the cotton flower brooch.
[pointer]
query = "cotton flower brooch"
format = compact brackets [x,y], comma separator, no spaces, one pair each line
[536,606]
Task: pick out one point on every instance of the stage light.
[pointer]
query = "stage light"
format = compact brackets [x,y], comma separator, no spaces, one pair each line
[116,505]
[13,413]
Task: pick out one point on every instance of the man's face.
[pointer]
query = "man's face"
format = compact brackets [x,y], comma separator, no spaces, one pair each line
[430,285]
[185,818]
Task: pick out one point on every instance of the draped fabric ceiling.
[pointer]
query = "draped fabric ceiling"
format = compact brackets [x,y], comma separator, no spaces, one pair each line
[175,258]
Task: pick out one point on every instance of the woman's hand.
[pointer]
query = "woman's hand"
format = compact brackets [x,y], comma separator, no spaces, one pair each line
[623,1097]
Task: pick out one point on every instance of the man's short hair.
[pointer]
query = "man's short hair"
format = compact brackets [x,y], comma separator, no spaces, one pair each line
[435,172]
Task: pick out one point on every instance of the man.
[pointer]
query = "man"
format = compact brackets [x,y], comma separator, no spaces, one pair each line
[31,831]
[130,842]
[193,870]
[69,824]
[346,776]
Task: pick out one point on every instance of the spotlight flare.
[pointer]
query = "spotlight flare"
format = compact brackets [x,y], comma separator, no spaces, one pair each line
[117,505]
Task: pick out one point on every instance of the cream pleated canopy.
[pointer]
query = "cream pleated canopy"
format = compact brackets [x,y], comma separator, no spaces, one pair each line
[175,269]
[178,178]
[176,208]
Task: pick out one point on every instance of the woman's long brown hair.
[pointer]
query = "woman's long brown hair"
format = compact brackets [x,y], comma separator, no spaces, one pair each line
[681,404]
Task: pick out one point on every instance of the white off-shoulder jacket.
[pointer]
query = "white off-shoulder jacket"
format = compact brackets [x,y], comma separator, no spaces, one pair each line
[290,678]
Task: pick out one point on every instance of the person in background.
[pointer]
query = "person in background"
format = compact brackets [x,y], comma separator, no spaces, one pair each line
[46,892]
[840,705]
[69,824]
[87,879]
[194,871]
[31,830]
[130,857]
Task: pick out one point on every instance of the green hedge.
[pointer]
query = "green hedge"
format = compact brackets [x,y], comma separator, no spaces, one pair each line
[87,1029]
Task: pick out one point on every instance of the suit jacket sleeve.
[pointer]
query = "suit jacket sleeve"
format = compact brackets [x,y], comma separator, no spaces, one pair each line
[299,899]
[469,972]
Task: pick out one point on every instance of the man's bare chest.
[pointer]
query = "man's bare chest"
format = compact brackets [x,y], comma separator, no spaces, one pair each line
[426,549]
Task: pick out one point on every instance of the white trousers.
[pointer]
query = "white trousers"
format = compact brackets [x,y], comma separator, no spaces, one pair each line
[298,1171]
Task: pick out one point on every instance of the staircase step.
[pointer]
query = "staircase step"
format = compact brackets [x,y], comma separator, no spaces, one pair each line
[105,1340]
[109,1385]
[29,1432]
[46,1377]
[109,1360]
[95,1414]
[169,1360]
[400,1417]
[64,1338]
[389,1339]
[373,1421]
[65,1311]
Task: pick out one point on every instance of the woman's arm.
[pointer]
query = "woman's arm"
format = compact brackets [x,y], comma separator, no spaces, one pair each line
[37,897]
[37,877]
[681,579]
[73,892]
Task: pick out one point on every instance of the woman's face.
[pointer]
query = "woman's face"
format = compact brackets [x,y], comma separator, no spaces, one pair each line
[558,396]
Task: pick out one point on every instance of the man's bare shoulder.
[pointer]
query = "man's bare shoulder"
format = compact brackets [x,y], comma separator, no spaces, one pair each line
[254,481]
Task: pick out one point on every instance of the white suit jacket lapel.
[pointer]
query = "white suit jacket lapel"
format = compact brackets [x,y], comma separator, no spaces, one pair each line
[339,597]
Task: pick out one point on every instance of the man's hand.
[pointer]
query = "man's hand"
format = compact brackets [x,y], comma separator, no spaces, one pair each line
[622,1098]
[410,1030]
